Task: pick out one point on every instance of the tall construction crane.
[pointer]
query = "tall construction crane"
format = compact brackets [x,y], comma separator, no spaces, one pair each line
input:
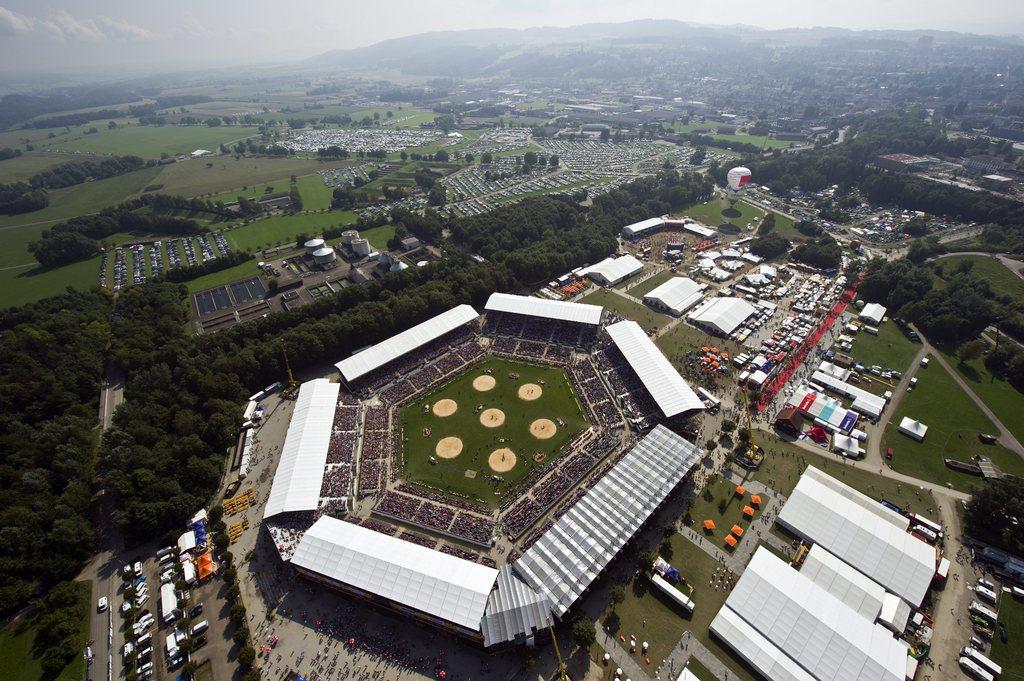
[293,385]
[562,673]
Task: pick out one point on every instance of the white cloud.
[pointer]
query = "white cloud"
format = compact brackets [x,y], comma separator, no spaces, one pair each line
[62,26]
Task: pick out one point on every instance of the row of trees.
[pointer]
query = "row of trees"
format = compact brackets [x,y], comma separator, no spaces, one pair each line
[26,197]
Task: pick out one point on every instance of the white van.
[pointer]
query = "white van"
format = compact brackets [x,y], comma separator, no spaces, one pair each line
[200,628]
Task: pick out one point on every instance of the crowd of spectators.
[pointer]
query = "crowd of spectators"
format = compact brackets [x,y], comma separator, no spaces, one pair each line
[401,367]
[420,539]
[341,447]
[337,481]
[346,417]
[460,553]
[371,477]
[435,516]
[375,446]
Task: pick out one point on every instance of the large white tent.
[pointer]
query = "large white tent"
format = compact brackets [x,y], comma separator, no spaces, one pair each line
[612,270]
[794,618]
[376,356]
[444,587]
[300,471]
[853,588]
[913,429]
[874,313]
[559,310]
[638,228]
[568,557]
[676,296]
[860,532]
[669,390]
[723,315]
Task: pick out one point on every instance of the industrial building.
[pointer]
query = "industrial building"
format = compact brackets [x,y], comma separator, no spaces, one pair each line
[676,296]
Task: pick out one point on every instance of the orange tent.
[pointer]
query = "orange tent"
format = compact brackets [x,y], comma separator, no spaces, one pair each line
[740,490]
[737,530]
[205,565]
[755,499]
[709,525]
[748,511]
[730,540]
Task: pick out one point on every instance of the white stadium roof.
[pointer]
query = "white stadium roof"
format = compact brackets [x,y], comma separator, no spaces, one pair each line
[376,356]
[614,270]
[861,533]
[443,586]
[572,553]
[549,309]
[300,472]
[786,611]
[723,314]
[678,294]
[668,389]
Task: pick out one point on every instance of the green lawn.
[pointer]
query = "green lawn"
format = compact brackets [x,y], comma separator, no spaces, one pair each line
[699,670]
[277,230]
[26,165]
[642,289]
[1005,401]
[684,338]
[148,141]
[638,312]
[891,349]
[29,284]
[712,127]
[315,194]
[231,274]
[213,175]
[998,275]
[706,507]
[378,236]
[421,429]
[1007,655]
[785,462]
[719,210]
[954,422]
[19,661]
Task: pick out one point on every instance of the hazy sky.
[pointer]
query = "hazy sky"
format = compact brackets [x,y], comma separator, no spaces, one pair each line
[182,34]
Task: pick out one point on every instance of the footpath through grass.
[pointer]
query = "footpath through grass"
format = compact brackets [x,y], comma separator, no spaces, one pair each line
[1005,401]
[954,422]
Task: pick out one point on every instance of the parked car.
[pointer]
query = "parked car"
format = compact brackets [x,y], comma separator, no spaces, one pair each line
[888,453]
[196,611]
[101,604]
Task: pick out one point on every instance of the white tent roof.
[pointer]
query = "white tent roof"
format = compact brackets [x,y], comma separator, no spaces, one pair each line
[914,429]
[755,648]
[642,226]
[441,585]
[405,342]
[577,548]
[849,445]
[844,582]
[873,312]
[724,314]
[549,309]
[669,390]
[810,626]
[853,528]
[895,612]
[187,541]
[678,294]
[300,472]
[615,269]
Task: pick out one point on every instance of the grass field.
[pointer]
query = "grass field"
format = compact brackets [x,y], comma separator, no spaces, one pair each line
[29,284]
[26,165]
[624,307]
[1005,401]
[231,274]
[699,670]
[1007,655]
[19,661]
[213,175]
[998,275]
[711,126]
[684,338]
[315,194]
[785,462]
[149,141]
[706,507]
[379,236]
[642,289]
[717,211]
[890,349]
[277,230]
[421,429]
[954,422]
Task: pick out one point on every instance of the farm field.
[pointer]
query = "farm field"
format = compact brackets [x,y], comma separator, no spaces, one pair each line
[28,284]
[26,165]
[148,141]
[460,435]
[216,174]
[624,307]
[954,422]
[281,229]
[315,194]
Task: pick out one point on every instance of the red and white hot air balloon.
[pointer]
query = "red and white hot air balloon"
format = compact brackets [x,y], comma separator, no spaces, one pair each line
[738,178]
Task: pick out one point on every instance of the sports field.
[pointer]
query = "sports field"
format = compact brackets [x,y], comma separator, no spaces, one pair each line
[498,418]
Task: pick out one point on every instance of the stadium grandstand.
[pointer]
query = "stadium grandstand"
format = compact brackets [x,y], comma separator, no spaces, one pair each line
[377,356]
[667,388]
[296,485]
[557,310]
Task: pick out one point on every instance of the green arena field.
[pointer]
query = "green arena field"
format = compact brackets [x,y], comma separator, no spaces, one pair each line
[497,418]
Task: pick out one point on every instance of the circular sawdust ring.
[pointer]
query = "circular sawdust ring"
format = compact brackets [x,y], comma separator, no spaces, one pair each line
[448,447]
[543,429]
[492,418]
[502,460]
[530,392]
[483,383]
[445,407]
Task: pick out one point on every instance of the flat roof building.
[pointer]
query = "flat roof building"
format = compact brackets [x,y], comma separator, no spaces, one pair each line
[300,471]
[558,310]
[676,296]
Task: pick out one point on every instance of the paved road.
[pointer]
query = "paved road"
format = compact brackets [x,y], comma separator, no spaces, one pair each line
[111,395]
[105,628]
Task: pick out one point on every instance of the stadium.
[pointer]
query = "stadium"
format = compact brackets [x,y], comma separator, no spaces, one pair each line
[477,473]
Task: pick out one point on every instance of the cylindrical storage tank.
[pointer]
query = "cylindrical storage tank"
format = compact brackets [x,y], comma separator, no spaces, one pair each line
[348,236]
[361,246]
[313,244]
[324,255]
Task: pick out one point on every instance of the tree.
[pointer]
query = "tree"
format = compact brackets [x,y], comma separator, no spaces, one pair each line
[618,594]
[645,562]
[241,636]
[486,158]
[769,246]
[436,196]
[246,656]
[767,224]
[728,425]
[216,513]
[442,156]
[970,350]
[584,634]
[553,160]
